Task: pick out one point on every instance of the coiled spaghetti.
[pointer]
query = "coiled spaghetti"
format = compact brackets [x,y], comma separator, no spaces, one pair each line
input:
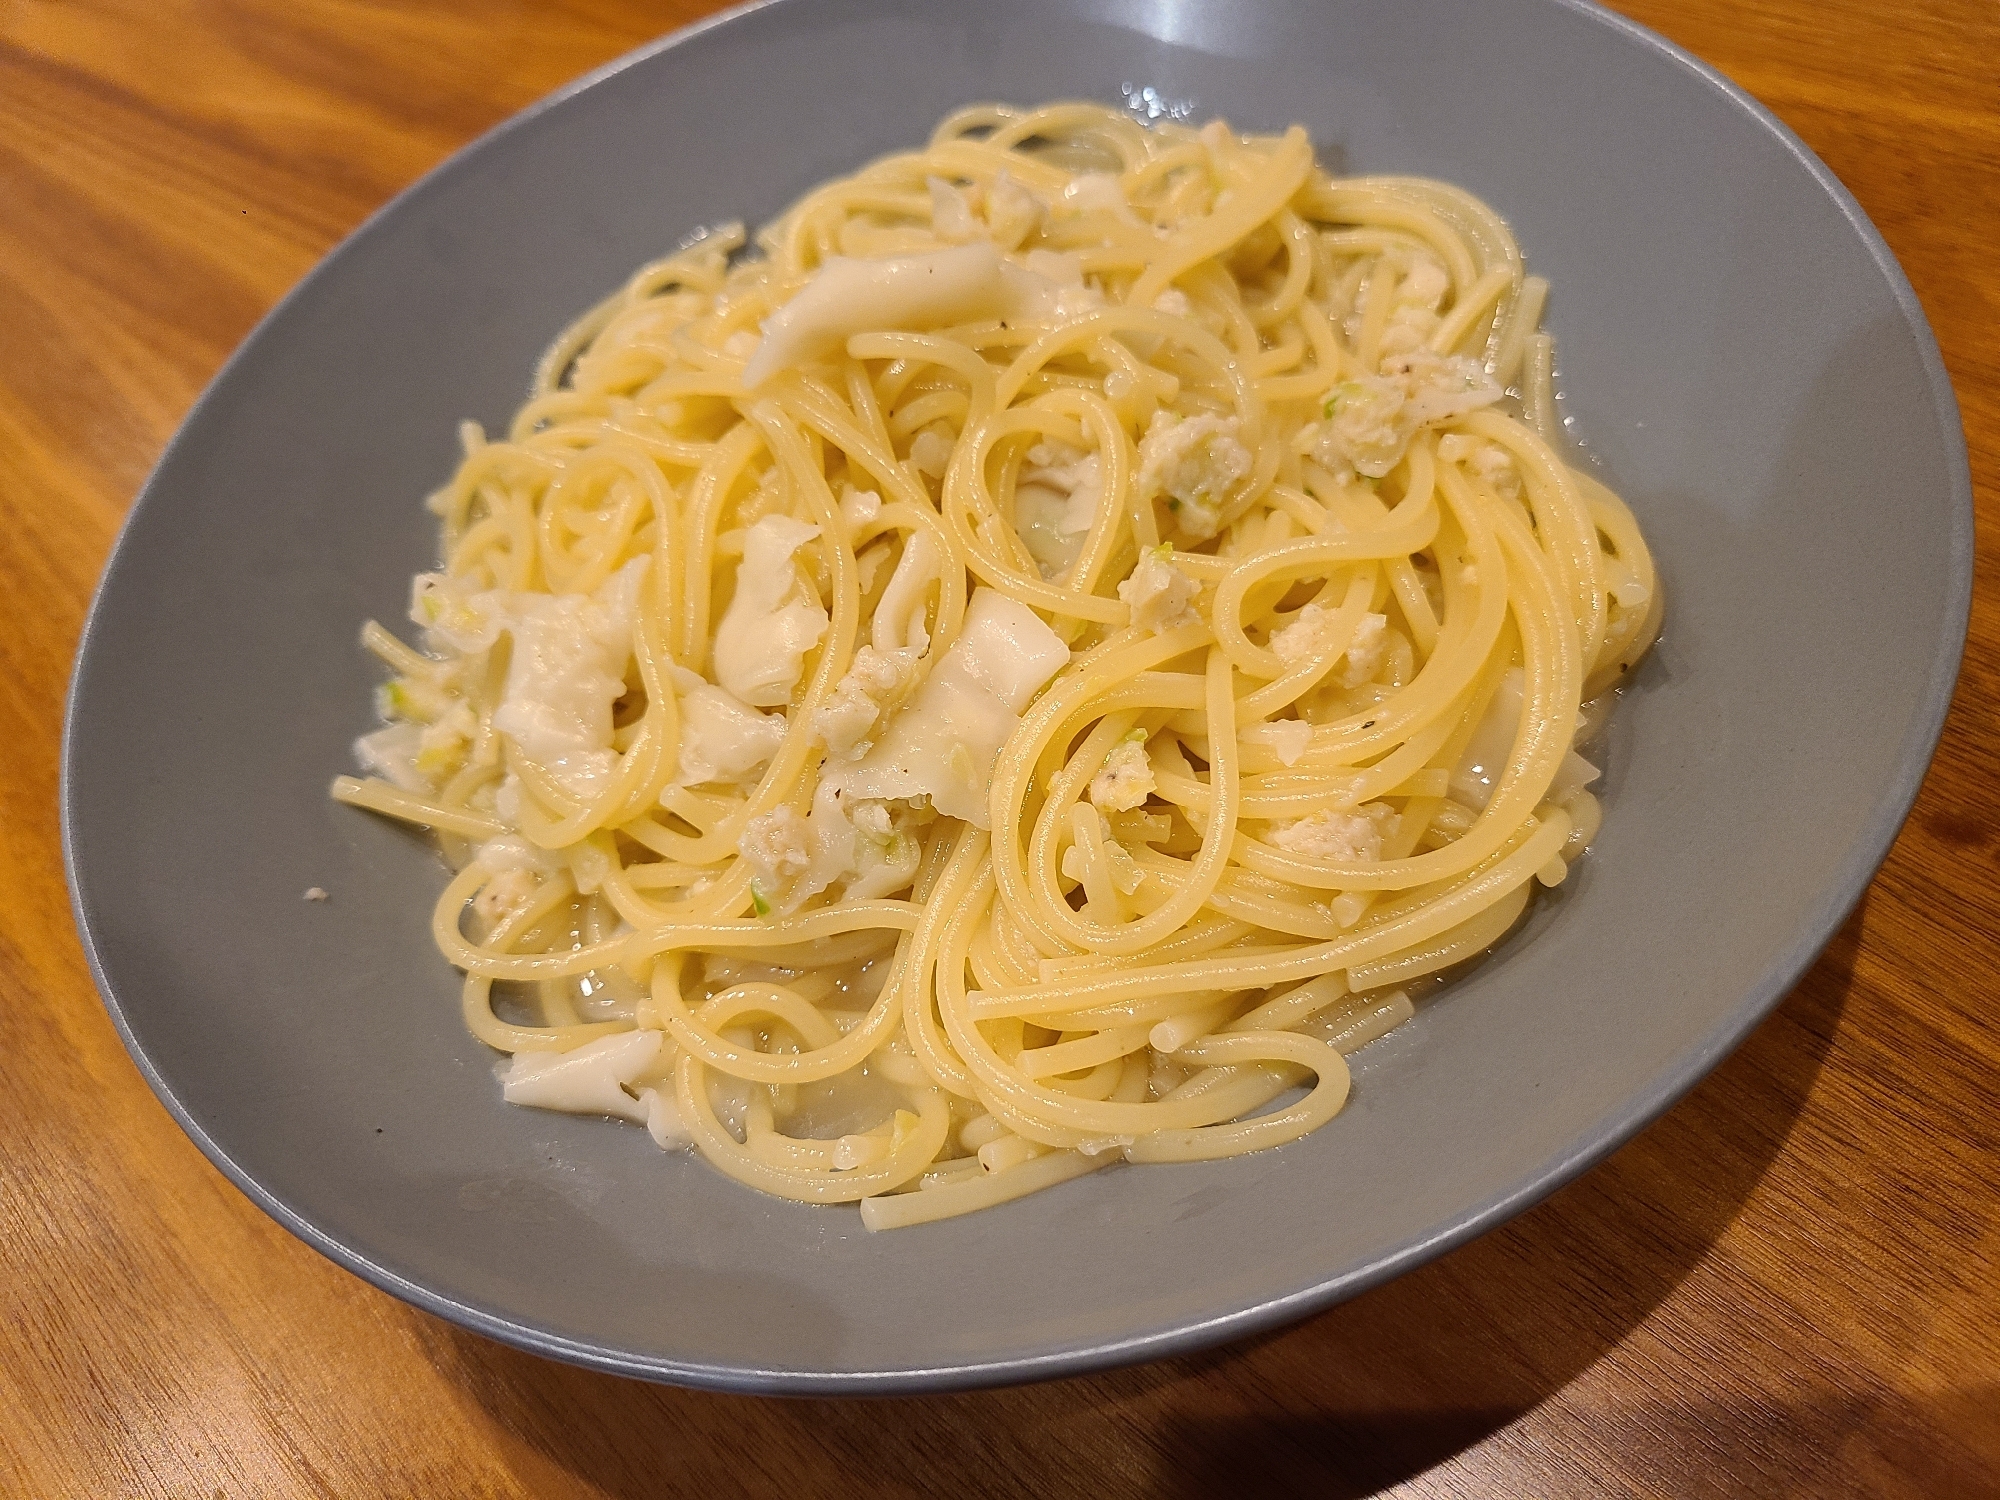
[1024,668]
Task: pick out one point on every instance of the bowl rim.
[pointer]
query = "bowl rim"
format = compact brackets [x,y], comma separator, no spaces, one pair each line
[1851,880]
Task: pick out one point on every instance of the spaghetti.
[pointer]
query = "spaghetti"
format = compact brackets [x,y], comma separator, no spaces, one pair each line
[1026,666]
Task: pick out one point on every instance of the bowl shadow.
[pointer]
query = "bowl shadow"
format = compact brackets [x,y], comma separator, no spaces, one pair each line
[1347,1403]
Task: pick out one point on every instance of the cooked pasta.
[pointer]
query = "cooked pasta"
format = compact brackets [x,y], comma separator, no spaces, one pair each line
[1024,665]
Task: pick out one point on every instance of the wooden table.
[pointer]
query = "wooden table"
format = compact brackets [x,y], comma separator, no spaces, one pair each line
[1788,1286]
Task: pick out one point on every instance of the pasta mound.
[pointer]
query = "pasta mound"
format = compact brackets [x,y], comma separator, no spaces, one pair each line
[1023,665]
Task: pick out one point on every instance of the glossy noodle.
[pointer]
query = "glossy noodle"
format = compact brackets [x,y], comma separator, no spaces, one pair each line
[1024,665]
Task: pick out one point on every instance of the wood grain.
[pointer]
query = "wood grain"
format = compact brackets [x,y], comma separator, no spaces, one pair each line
[1788,1286]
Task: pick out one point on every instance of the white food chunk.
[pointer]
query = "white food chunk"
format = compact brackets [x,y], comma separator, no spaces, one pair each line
[505,895]
[1365,427]
[391,753]
[722,737]
[589,865]
[1425,283]
[1194,462]
[517,868]
[566,671]
[874,679]
[1489,462]
[774,618]
[509,851]
[1370,421]
[775,845]
[1366,651]
[1174,303]
[829,843]
[1004,646]
[588,1080]
[1126,779]
[1073,302]
[898,623]
[1305,637]
[1012,212]
[1160,595]
[861,841]
[869,562]
[1063,270]
[663,1119]
[1055,504]
[859,507]
[844,297]
[422,696]
[1062,267]
[1097,192]
[1495,465]
[1004,212]
[1352,837]
[885,853]
[1077,476]
[442,745]
[455,616]
[930,451]
[1123,869]
[952,217]
[1413,310]
[1289,739]
[943,742]
[1039,514]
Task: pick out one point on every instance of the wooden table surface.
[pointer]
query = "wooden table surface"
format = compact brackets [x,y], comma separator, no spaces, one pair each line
[1787,1286]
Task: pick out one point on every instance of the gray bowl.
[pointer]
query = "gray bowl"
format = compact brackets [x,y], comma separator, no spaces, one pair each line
[1740,354]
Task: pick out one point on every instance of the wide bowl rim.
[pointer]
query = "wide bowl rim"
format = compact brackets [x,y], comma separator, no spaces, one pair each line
[1840,896]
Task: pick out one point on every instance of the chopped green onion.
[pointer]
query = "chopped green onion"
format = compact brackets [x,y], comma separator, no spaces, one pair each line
[1343,393]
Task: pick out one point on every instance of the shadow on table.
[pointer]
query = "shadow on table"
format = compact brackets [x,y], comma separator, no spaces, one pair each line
[1826,1446]
[1353,1401]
